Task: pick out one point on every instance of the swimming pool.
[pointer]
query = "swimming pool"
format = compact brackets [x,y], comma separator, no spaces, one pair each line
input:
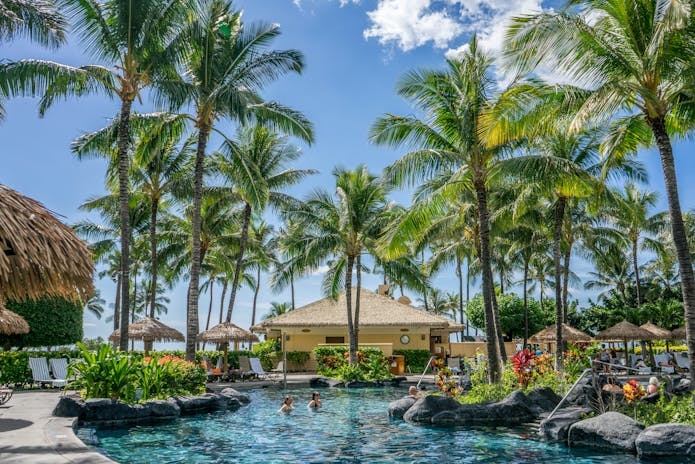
[352,427]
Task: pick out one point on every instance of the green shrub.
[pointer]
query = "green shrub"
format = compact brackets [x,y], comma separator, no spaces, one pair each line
[333,362]
[298,358]
[53,322]
[416,359]
[14,365]
[268,352]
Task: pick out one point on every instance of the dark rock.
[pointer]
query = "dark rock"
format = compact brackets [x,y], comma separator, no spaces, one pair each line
[242,398]
[609,431]
[161,408]
[394,382]
[206,402]
[666,440]
[653,398]
[584,394]
[513,410]
[557,426]
[426,408]
[542,400]
[320,382]
[112,411]
[681,386]
[361,384]
[399,407]
[69,406]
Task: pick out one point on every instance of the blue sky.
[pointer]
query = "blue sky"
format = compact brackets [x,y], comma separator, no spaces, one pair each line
[355,52]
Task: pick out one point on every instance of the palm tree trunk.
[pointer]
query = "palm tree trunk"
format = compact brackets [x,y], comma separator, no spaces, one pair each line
[468,294]
[501,282]
[525,303]
[123,200]
[557,241]
[490,330]
[348,303]
[192,306]
[240,259]
[207,323]
[358,291]
[117,303]
[224,293]
[292,288]
[153,253]
[459,271]
[635,266]
[424,292]
[498,329]
[565,280]
[680,239]
[255,295]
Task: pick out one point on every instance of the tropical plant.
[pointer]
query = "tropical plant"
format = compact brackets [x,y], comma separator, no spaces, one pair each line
[277,309]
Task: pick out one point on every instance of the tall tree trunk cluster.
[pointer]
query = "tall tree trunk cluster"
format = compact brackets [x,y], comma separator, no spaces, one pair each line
[557,241]
[123,201]
[240,259]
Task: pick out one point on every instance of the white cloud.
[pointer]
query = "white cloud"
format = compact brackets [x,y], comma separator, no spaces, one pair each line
[411,23]
[319,271]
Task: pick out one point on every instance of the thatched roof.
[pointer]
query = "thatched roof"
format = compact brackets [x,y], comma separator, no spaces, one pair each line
[569,334]
[11,323]
[39,255]
[679,333]
[659,332]
[226,332]
[375,310]
[150,330]
[624,331]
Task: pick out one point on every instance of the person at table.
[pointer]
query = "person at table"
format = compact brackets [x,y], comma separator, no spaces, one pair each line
[287,405]
[315,402]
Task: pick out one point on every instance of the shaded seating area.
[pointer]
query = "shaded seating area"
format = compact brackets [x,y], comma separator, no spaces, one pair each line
[149,330]
[223,334]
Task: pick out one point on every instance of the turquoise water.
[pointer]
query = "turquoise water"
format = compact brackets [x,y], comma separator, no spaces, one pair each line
[352,427]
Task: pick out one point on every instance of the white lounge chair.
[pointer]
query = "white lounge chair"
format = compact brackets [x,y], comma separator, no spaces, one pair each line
[40,374]
[257,368]
[661,361]
[245,367]
[277,371]
[59,368]
[682,360]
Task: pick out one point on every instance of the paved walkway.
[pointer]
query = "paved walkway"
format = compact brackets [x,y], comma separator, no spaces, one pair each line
[29,434]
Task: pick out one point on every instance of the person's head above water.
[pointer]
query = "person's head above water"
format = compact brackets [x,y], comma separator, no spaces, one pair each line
[315,396]
[288,400]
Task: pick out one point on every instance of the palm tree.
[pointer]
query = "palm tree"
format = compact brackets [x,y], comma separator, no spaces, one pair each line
[632,219]
[255,169]
[95,305]
[224,73]
[449,139]
[277,309]
[635,59]
[288,265]
[341,229]
[261,257]
[38,20]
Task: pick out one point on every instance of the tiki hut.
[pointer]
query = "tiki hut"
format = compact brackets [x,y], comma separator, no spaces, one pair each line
[149,330]
[624,331]
[11,323]
[569,334]
[39,255]
[659,334]
[225,333]
[678,334]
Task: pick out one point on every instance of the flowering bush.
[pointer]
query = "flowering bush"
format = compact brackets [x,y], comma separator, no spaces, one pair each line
[333,361]
[576,358]
[522,362]
[444,381]
[633,391]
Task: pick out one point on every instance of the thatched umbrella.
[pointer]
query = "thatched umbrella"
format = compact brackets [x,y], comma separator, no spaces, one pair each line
[149,330]
[569,334]
[659,334]
[225,333]
[11,323]
[624,331]
[678,334]
[39,255]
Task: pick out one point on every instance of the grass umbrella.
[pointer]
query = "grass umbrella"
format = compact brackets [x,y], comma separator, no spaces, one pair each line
[224,333]
[39,255]
[11,323]
[624,331]
[149,330]
[569,334]
[660,333]
[678,334]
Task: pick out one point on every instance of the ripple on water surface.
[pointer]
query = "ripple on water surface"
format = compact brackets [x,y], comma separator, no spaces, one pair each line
[352,427]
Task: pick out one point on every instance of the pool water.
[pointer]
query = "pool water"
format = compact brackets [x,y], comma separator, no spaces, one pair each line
[352,427]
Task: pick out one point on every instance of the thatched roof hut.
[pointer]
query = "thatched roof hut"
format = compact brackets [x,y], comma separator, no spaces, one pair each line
[11,323]
[678,334]
[569,334]
[39,255]
[150,330]
[226,332]
[624,331]
[659,332]
[375,311]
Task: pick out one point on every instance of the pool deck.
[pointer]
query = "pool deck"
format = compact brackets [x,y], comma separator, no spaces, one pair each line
[29,434]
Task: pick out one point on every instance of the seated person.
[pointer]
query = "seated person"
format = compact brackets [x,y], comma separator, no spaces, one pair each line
[640,364]
[413,392]
[315,401]
[653,386]
[287,405]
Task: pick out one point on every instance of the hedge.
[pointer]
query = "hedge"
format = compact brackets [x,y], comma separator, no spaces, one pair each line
[53,322]
[415,359]
[326,356]
[14,365]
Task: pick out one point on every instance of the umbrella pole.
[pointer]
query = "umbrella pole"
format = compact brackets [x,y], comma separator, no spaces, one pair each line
[626,351]
[651,354]
[226,361]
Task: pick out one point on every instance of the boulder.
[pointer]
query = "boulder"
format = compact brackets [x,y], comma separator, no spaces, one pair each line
[319,382]
[361,384]
[162,409]
[69,406]
[666,440]
[426,408]
[584,394]
[556,427]
[242,398]
[609,431]
[542,400]
[112,411]
[206,402]
[399,407]
[513,410]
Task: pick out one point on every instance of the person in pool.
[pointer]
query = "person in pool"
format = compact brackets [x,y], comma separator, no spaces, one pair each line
[315,401]
[287,405]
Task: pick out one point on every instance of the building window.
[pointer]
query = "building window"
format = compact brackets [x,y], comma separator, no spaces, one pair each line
[334,340]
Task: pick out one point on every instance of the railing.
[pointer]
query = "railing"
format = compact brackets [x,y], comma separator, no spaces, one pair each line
[429,364]
[586,371]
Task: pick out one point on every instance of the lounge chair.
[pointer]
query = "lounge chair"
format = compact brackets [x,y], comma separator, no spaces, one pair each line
[59,368]
[245,367]
[257,368]
[40,374]
[278,370]
[5,394]
[454,364]
[683,361]
[661,363]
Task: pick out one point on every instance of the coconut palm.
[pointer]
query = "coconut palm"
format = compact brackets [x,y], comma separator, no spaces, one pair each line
[634,58]
[254,169]
[288,265]
[95,305]
[341,229]
[261,257]
[38,20]
[277,309]
[448,139]
[227,67]
[137,39]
